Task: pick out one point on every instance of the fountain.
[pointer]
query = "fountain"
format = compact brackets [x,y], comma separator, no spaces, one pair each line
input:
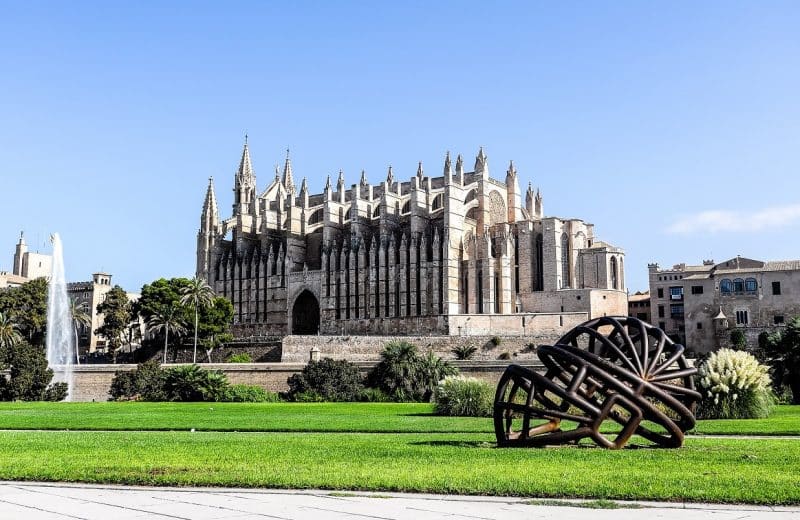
[60,343]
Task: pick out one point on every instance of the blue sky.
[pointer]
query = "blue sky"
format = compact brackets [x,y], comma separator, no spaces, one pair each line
[673,126]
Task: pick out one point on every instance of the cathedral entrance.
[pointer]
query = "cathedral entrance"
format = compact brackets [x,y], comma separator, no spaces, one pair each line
[305,314]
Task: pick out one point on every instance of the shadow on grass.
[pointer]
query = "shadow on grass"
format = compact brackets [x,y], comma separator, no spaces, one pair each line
[456,444]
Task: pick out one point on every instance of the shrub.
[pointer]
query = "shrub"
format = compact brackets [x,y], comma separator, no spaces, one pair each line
[374,395]
[465,351]
[242,357]
[465,396]
[734,386]
[332,380]
[404,375]
[738,339]
[308,396]
[496,341]
[192,383]
[248,394]
[145,383]
[29,376]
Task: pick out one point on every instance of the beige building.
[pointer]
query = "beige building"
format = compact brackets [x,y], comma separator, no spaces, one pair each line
[639,306]
[450,254]
[702,304]
[30,265]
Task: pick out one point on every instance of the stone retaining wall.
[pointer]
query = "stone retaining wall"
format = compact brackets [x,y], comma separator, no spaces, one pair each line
[92,382]
[297,349]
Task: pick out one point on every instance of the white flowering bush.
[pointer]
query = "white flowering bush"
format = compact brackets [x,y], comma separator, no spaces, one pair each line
[734,386]
[464,396]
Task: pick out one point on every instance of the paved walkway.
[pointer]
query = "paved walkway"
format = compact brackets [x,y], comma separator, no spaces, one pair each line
[39,501]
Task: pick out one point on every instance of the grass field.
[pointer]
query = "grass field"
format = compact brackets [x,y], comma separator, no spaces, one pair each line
[304,417]
[390,447]
[728,470]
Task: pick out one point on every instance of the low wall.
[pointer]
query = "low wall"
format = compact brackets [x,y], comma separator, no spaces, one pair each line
[297,349]
[92,382]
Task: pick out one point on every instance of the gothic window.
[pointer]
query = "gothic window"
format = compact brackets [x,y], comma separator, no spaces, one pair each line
[406,208]
[497,294]
[614,273]
[480,291]
[738,285]
[621,276]
[437,202]
[497,208]
[349,214]
[539,284]
[377,212]
[465,309]
[726,286]
[316,217]
[750,285]
[564,261]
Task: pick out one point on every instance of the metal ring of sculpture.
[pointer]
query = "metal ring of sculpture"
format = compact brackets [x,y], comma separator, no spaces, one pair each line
[616,369]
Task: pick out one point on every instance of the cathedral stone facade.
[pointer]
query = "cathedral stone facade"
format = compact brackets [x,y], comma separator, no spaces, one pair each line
[455,254]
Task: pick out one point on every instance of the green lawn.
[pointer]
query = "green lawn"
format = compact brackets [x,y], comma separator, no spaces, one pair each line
[727,470]
[304,417]
[381,446]
[273,417]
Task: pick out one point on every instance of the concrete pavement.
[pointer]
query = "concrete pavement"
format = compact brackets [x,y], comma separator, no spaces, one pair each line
[59,501]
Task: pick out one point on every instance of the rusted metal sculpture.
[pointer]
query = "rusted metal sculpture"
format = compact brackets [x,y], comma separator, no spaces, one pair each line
[619,370]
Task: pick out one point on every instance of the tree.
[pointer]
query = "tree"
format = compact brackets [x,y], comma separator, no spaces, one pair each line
[160,294]
[116,311]
[80,318]
[9,335]
[197,294]
[26,306]
[29,376]
[166,320]
[782,350]
[738,339]
[215,324]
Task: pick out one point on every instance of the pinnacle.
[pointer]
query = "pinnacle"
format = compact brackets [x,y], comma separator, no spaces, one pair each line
[288,180]
[245,173]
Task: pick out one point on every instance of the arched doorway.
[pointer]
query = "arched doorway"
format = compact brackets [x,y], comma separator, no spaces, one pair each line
[305,314]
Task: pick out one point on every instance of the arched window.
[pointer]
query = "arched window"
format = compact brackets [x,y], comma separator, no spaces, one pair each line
[564,261]
[316,217]
[614,273]
[621,275]
[377,212]
[406,207]
[738,285]
[437,202]
[750,285]
[349,214]
[726,286]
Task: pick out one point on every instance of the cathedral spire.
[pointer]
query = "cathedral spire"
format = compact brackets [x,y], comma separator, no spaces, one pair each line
[363,179]
[481,163]
[210,209]
[448,167]
[529,200]
[288,180]
[420,173]
[390,176]
[245,175]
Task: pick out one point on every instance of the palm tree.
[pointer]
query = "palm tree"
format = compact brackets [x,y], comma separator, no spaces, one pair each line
[9,335]
[80,318]
[197,294]
[166,320]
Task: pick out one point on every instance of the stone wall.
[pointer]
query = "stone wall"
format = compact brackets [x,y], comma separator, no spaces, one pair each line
[297,349]
[92,382]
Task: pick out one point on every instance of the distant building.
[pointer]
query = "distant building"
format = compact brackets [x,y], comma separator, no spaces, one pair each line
[700,305]
[639,306]
[30,265]
[430,255]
